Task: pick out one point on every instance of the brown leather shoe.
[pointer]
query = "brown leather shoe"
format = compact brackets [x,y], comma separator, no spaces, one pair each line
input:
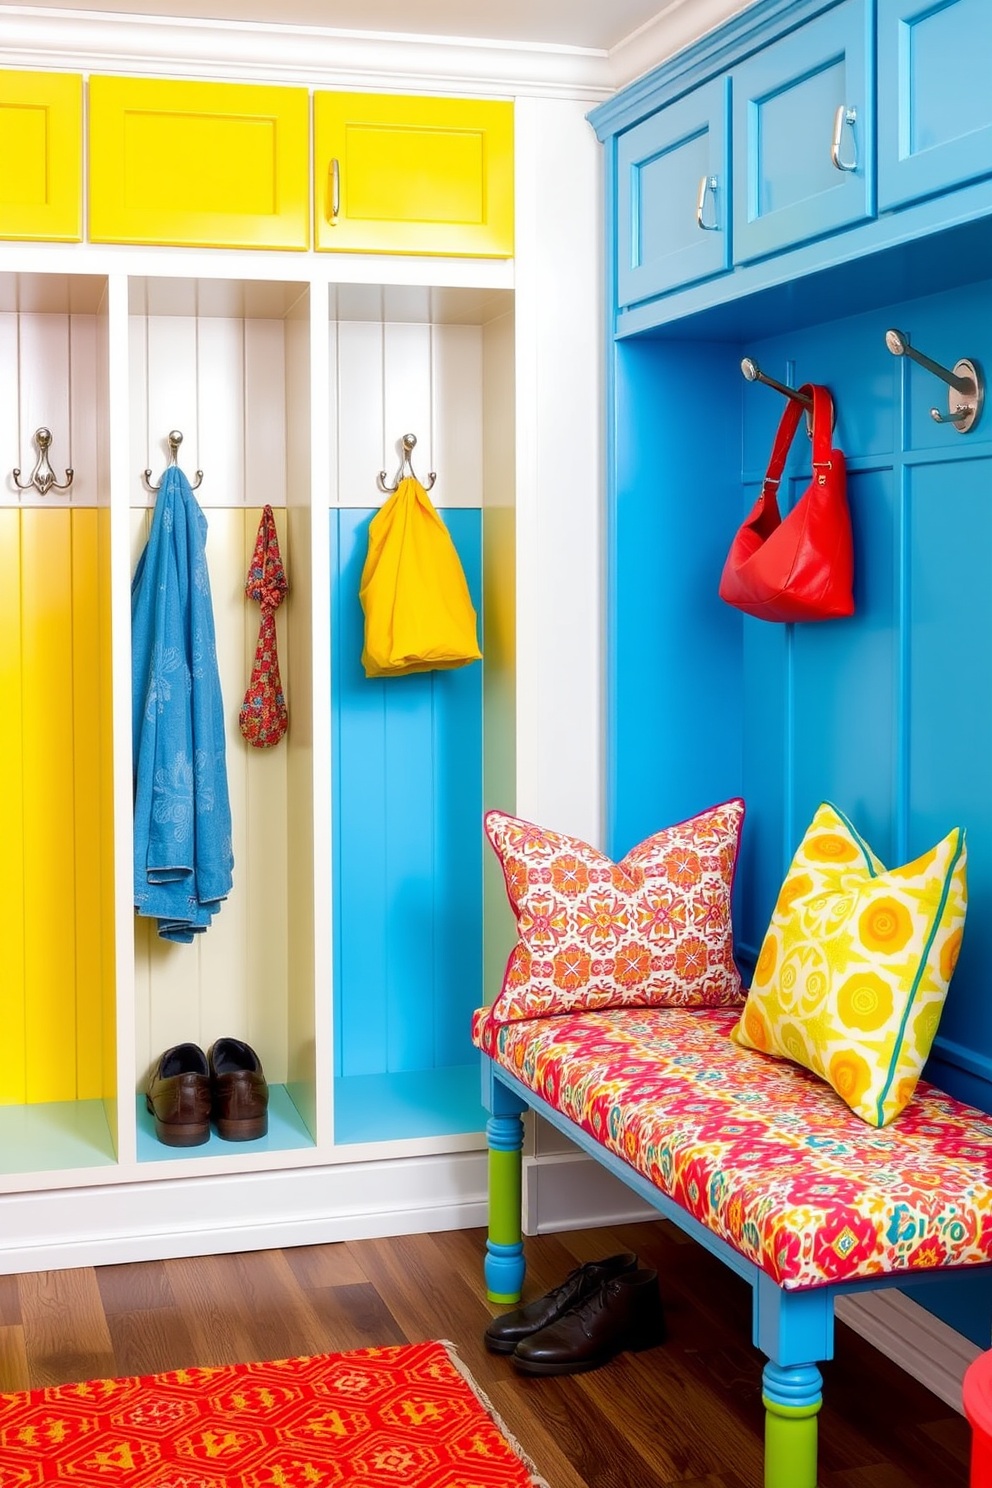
[240,1093]
[510,1328]
[623,1313]
[178,1096]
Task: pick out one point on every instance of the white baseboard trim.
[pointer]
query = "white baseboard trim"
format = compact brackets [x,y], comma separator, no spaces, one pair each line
[913,1338]
[213,1215]
[566,1191]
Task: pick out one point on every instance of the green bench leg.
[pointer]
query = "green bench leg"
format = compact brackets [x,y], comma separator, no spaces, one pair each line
[505,1265]
[792,1398]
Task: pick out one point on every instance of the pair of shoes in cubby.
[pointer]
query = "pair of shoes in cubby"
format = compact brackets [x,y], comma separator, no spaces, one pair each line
[188,1089]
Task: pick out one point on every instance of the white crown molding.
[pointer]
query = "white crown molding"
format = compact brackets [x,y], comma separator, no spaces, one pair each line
[676,26]
[150,46]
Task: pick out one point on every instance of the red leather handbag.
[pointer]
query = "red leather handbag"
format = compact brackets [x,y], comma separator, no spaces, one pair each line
[799,567]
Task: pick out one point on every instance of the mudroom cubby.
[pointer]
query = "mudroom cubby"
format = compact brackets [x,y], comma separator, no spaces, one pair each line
[58,1029]
[415,759]
[226,363]
[292,377]
[886,713]
[350,953]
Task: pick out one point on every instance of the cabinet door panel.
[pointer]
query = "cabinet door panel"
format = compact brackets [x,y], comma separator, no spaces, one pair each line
[41,144]
[219,165]
[793,103]
[934,99]
[665,166]
[395,174]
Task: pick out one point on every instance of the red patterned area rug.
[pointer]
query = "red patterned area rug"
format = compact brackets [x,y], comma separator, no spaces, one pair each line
[406,1415]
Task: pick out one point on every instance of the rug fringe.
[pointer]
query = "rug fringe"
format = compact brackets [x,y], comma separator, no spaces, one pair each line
[451,1349]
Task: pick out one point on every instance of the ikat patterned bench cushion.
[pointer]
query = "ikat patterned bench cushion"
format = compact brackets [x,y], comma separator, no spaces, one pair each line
[761,1151]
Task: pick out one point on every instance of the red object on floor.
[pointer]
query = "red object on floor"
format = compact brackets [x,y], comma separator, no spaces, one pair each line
[977,1391]
[405,1415]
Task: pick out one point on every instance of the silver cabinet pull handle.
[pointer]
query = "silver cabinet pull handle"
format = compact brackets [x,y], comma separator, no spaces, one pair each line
[334,187]
[848,116]
[706,183]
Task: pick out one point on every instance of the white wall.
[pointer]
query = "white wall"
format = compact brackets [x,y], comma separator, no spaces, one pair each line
[560,402]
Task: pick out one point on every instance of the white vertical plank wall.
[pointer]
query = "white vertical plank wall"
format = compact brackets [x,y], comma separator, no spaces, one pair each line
[359,417]
[500,641]
[49,379]
[560,573]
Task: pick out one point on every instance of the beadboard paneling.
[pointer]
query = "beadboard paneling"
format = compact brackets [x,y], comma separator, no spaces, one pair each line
[407,836]
[56,991]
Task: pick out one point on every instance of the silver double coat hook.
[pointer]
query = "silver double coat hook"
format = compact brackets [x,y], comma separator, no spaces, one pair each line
[43,476]
[965,380]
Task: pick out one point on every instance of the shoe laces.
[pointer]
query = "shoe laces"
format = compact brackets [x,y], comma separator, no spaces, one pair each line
[573,1279]
[587,1309]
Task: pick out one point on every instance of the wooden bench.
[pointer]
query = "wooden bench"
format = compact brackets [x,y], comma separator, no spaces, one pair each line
[756,1159]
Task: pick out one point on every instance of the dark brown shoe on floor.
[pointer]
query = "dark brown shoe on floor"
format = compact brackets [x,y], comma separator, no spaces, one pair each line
[178,1096]
[510,1328]
[624,1313]
[240,1093]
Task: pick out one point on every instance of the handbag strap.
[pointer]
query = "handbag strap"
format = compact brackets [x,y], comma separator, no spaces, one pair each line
[822,418]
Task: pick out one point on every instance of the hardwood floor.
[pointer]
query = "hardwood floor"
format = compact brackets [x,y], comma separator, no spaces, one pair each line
[689,1413]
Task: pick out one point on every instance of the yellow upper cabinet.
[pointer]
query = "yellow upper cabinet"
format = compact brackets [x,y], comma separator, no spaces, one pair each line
[399,174]
[41,147]
[219,165]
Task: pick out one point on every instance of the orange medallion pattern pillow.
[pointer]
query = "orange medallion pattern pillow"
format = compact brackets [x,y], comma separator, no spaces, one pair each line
[653,930]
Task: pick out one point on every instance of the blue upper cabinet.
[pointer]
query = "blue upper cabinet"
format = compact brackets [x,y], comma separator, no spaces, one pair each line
[934,97]
[803,137]
[673,215]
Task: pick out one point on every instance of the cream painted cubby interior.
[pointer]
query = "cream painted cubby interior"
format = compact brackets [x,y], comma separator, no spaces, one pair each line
[227,364]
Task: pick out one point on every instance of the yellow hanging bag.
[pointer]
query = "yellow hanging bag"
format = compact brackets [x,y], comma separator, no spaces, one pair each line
[418,611]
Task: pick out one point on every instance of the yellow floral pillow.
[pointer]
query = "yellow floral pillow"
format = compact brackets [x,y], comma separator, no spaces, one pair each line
[854,969]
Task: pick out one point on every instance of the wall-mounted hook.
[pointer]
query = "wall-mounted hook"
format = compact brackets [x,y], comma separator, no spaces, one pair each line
[965,379]
[175,440]
[406,469]
[43,476]
[753,373]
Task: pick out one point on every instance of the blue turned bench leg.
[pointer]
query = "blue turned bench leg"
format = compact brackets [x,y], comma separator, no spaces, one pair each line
[505,1135]
[796,1331]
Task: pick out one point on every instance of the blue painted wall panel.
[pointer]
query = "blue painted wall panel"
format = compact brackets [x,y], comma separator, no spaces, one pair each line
[949,780]
[845,695]
[359,805]
[674,659]
[767,759]
[407,783]
[457,827]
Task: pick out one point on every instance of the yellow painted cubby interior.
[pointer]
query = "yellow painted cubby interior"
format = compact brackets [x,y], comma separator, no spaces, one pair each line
[41,155]
[57,993]
[186,163]
[413,175]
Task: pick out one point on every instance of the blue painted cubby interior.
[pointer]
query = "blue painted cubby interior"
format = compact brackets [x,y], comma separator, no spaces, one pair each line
[889,713]
[407,869]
